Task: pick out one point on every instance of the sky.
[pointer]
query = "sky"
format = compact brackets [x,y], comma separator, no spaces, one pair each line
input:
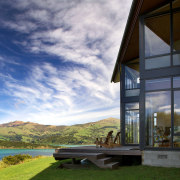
[57,58]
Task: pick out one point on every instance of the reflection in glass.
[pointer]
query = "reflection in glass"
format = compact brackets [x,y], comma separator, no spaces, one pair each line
[176,82]
[176,29]
[132,127]
[176,141]
[132,81]
[130,106]
[177,118]
[131,78]
[155,84]
[158,119]
[176,59]
[157,35]
[132,92]
[157,62]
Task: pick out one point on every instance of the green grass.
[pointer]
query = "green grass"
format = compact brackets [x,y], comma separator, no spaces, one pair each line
[46,168]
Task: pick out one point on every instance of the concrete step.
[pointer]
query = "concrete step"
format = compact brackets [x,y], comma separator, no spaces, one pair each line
[112,165]
[105,160]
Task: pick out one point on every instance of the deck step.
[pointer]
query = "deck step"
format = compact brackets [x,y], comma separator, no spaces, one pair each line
[104,160]
[105,163]
[112,165]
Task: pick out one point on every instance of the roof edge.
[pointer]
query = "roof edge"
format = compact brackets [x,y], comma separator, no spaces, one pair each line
[128,24]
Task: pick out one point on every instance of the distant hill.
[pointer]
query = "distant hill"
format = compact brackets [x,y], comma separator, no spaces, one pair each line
[48,134]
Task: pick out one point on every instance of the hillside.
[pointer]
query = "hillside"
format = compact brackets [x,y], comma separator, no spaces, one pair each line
[47,134]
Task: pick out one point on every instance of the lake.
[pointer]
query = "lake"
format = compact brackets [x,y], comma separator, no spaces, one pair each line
[32,152]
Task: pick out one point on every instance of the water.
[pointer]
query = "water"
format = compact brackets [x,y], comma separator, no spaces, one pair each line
[32,152]
[70,145]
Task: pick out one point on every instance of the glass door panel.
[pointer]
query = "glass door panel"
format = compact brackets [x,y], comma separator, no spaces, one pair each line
[158,119]
[132,124]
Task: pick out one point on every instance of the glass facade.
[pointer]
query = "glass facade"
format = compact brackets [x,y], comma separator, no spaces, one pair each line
[176,82]
[176,38]
[132,81]
[161,91]
[132,123]
[157,62]
[176,119]
[156,84]
[158,119]
[157,42]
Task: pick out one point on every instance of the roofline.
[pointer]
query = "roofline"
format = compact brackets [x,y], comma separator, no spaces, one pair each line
[135,3]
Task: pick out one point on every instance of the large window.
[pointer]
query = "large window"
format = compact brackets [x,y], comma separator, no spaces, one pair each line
[158,106]
[157,42]
[132,123]
[132,82]
[161,39]
[158,113]
[160,74]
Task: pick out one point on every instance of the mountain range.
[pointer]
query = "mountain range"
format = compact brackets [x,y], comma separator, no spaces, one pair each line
[29,132]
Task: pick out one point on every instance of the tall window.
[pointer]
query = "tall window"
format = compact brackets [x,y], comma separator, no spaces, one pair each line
[132,81]
[158,112]
[161,55]
[157,42]
[132,123]
[162,40]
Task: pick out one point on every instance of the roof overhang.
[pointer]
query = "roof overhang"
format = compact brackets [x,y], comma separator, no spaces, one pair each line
[129,49]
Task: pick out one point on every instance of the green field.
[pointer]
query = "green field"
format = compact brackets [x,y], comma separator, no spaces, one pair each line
[46,168]
[34,133]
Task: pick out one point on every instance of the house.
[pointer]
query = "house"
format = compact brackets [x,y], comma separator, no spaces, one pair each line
[148,69]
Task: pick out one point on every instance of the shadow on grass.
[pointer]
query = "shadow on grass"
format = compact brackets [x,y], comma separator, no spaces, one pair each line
[135,172]
[54,172]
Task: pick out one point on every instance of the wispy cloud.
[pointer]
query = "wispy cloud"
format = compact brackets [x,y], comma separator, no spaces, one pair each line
[83,37]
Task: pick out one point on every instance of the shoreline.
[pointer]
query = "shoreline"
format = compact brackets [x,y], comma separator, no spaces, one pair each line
[27,148]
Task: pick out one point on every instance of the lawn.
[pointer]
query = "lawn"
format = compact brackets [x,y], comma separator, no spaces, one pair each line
[46,168]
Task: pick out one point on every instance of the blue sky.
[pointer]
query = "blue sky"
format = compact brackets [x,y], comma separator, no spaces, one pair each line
[57,58]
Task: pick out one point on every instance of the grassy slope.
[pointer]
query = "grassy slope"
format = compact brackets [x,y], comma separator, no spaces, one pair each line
[76,134]
[46,168]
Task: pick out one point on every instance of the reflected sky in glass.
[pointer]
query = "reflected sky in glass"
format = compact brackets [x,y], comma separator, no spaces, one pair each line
[131,106]
[176,82]
[158,102]
[154,45]
[155,84]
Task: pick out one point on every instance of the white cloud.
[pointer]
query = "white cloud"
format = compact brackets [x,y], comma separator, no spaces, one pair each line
[86,34]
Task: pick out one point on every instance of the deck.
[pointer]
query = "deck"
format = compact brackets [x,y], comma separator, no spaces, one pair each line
[122,150]
[102,157]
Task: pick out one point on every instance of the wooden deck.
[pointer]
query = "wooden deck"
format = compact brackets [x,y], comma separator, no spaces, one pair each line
[123,150]
[102,157]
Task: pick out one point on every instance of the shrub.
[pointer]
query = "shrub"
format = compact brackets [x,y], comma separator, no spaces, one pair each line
[16,159]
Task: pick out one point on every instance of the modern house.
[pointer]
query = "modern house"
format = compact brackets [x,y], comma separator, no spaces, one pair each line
[148,69]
